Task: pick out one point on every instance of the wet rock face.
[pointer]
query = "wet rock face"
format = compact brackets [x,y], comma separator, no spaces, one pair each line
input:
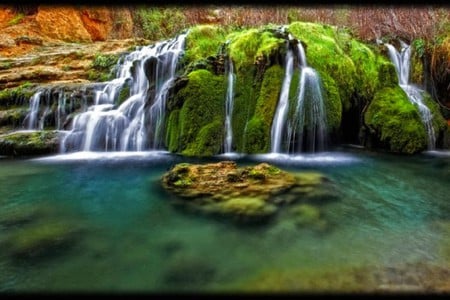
[252,193]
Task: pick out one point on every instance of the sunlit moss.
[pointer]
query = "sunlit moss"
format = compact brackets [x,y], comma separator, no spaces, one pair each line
[203,41]
[252,45]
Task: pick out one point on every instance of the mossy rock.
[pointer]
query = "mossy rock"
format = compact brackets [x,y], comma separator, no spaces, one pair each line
[196,130]
[40,239]
[246,194]
[252,46]
[325,54]
[29,143]
[395,122]
[13,117]
[18,96]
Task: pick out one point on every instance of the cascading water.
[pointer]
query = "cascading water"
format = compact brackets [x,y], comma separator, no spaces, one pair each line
[401,61]
[305,130]
[228,143]
[136,124]
[279,120]
[32,118]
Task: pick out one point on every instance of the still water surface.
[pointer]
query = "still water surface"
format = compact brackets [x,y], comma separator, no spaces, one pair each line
[392,211]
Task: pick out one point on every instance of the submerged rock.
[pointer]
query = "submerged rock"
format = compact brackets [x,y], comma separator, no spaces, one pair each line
[40,239]
[251,193]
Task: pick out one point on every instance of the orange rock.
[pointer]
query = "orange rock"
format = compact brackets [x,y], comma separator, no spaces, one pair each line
[62,23]
[97,22]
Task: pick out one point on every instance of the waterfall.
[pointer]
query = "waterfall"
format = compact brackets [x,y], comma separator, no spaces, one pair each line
[228,142]
[279,120]
[306,129]
[137,123]
[32,118]
[402,62]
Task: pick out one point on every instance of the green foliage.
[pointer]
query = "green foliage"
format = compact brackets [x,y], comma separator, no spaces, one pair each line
[395,122]
[102,67]
[159,23]
[419,46]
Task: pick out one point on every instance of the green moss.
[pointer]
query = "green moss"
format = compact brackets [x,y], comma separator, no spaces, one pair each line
[29,143]
[366,65]
[265,110]
[326,56]
[246,91]
[102,67]
[257,140]
[246,207]
[124,94]
[202,110]
[395,122]
[38,239]
[172,131]
[251,46]
[203,41]
[387,76]
[333,105]
[208,141]
[307,215]
[439,123]
[13,117]
[15,96]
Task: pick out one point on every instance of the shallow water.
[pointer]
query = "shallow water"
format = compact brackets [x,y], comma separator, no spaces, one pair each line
[392,211]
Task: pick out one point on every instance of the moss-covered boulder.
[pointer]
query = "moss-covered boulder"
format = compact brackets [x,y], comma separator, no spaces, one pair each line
[195,126]
[29,143]
[395,124]
[251,193]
